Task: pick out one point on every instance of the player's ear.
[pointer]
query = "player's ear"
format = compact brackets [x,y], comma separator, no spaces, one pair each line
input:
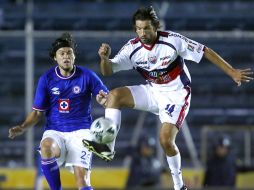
[55,58]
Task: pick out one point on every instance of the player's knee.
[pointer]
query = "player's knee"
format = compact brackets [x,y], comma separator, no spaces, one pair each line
[47,148]
[114,98]
[168,145]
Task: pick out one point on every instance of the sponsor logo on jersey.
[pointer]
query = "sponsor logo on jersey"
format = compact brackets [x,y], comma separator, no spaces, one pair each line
[166,57]
[55,91]
[76,90]
[183,38]
[152,59]
[64,105]
[179,36]
[190,47]
[141,62]
[153,74]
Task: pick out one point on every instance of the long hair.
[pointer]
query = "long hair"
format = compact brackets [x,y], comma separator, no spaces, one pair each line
[146,14]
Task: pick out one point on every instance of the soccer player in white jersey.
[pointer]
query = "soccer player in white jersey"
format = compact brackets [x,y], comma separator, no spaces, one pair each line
[159,57]
[64,94]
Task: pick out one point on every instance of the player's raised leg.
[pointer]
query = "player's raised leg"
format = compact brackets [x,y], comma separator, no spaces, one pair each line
[117,99]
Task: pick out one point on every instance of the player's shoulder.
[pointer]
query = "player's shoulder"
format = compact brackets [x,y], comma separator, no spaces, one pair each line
[169,34]
[48,73]
[176,36]
[163,33]
[129,46]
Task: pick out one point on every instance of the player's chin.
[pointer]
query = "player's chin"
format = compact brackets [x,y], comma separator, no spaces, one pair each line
[67,66]
[145,41]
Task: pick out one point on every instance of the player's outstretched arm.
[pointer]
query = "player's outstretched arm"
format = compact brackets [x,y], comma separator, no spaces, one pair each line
[238,75]
[32,118]
[105,64]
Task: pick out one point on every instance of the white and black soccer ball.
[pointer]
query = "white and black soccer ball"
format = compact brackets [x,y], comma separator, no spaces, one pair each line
[103,130]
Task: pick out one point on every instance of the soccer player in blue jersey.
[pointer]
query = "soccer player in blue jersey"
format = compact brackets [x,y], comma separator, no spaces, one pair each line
[64,95]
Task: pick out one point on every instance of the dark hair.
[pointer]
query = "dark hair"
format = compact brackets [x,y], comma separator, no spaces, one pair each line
[146,14]
[222,140]
[65,40]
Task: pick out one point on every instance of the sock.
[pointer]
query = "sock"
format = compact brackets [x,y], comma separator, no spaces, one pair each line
[51,173]
[115,116]
[87,188]
[174,163]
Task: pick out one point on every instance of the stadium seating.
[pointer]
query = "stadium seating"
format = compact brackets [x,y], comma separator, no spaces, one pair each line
[82,15]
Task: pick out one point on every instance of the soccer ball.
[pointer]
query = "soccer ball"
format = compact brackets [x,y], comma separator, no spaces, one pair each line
[103,130]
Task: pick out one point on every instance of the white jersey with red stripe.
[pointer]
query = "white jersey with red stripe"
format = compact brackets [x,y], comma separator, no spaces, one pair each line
[161,64]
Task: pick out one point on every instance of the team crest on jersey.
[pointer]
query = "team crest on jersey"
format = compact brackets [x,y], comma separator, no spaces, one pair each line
[64,105]
[152,59]
[55,91]
[76,90]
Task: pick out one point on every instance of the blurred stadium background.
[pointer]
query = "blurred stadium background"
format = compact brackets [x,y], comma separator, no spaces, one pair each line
[27,29]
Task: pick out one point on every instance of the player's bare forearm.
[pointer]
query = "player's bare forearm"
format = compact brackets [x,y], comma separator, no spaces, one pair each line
[32,118]
[238,75]
[106,67]
[218,61]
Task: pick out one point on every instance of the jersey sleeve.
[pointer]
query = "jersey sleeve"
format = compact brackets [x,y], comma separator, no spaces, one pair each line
[96,84]
[122,61]
[189,49]
[41,100]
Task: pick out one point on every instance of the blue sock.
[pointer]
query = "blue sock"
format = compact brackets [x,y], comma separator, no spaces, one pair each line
[51,172]
[87,188]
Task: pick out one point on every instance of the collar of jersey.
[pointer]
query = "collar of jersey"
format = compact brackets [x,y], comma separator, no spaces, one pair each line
[57,70]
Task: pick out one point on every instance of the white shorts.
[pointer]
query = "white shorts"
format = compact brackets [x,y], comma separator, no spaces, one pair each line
[73,153]
[171,106]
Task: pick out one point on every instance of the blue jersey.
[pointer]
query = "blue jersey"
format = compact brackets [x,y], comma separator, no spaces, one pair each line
[67,100]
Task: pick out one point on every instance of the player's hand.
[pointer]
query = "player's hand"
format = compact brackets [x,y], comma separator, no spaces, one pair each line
[242,75]
[102,98]
[104,51]
[16,131]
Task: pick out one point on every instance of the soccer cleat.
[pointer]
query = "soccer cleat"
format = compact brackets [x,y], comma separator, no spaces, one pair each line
[101,150]
[184,187]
